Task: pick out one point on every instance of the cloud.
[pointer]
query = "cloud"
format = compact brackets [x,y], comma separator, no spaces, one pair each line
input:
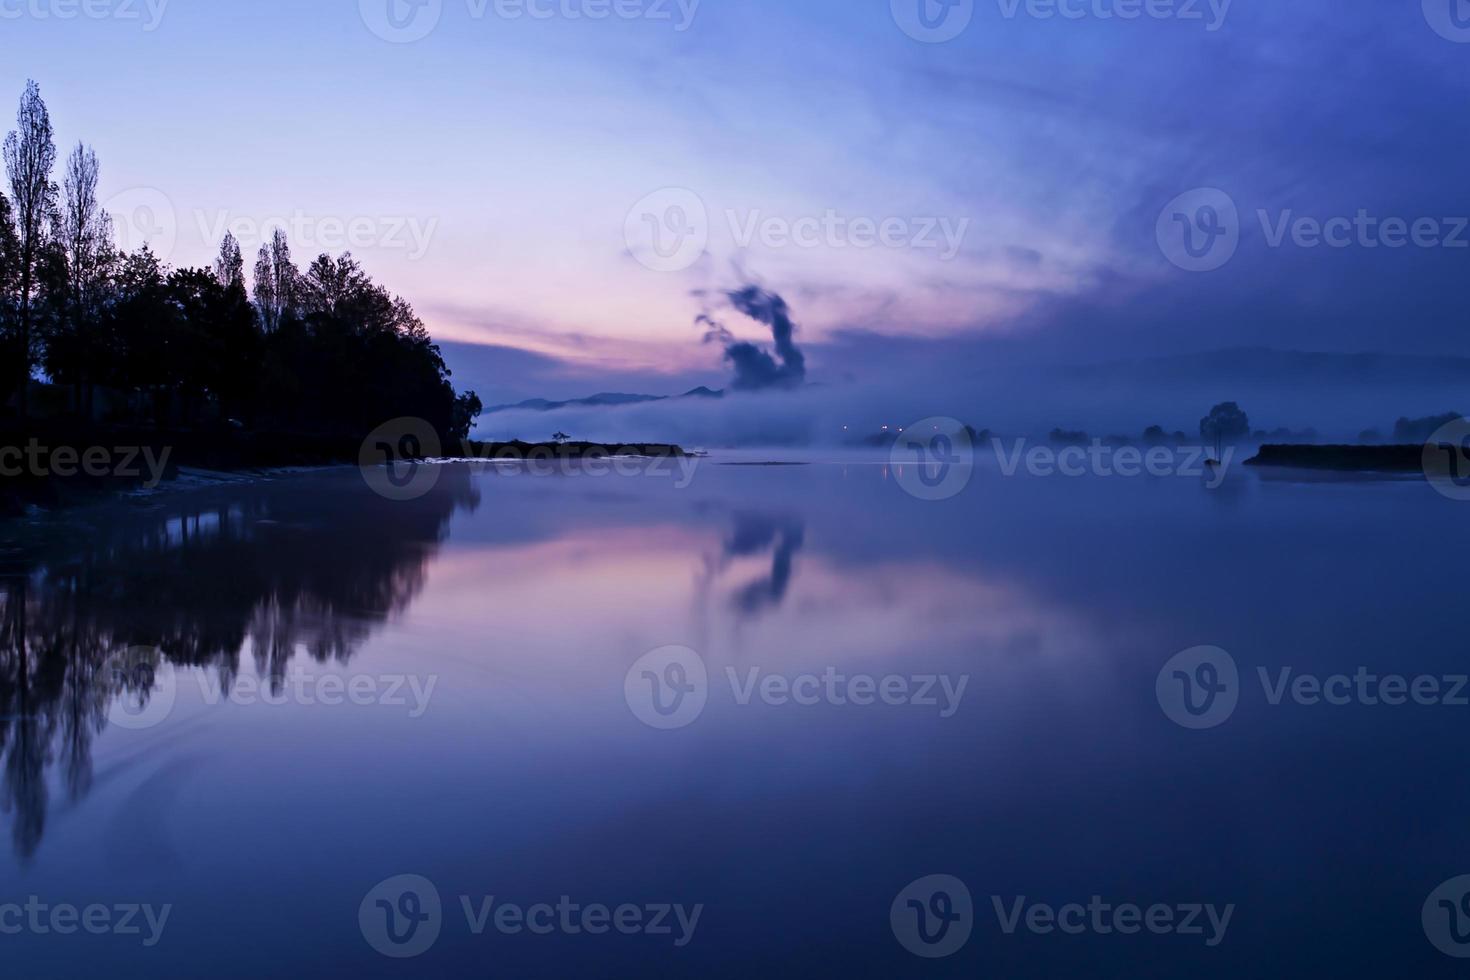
[755,368]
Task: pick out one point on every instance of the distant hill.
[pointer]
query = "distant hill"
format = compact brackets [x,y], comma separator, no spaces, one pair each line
[602,399]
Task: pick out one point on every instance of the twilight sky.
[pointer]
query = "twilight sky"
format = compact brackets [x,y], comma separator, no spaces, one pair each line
[506,174]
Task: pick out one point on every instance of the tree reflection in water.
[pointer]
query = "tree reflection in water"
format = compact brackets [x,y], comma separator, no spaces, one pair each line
[309,566]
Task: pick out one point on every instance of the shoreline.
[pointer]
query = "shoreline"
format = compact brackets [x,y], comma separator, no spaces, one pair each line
[61,465]
[1400,459]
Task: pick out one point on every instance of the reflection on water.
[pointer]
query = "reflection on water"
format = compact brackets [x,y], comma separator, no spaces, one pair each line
[280,573]
[528,599]
[756,534]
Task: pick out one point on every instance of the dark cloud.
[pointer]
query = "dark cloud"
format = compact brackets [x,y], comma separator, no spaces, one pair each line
[756,369]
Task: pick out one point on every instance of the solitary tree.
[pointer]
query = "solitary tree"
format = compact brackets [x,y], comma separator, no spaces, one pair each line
[1225,423]
[30,156]
[561,437]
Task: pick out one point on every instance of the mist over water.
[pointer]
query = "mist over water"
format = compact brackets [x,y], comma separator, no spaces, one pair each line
[1025,400]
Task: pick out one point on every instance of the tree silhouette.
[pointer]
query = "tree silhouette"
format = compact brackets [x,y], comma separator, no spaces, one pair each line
[326,352]
[82,234]
[1225,423]
[30,156]
[229,268]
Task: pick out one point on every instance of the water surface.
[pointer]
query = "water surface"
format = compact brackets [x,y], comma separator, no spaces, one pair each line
[491,746]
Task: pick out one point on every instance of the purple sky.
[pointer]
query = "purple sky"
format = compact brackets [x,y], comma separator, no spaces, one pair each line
[573,189]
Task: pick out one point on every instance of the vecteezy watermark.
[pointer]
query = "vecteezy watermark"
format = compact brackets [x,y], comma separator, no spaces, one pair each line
[411,692]
[1196,919]
[395,459]
[670,231]
[144,216]
[403,917]
[1447,460]
[938,691]
[1449,18]
[406,21]
[933,459]
[937,21]
[1103,460]
[1201,688]
[932,21]
[1446,917]
[1211,13]
[834,230]
[315,234]
[148,14]
[935,916]
[1200,230]
[669,688]
[97,462]
[401,460]
[143,689]
[40,918]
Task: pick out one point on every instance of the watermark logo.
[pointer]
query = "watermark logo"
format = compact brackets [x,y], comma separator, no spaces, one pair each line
[1199,688]
[933,21]
[147,12]
[1447,460]
[395,459]
[143,686]
[411,692]
[1449,18]
[667,688]
[401,21]
[1103,918]
[402,916]
[1211,13]
[1098,459]
[933,459]
[1446,917]
[596,462]
[943,236]
[144,216]
[40,918]
[97,462]
[668,231]
[933,917]
[1199,231]
[940,691]
[314,234]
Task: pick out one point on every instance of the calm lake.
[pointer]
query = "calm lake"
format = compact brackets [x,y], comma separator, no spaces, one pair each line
[731,722]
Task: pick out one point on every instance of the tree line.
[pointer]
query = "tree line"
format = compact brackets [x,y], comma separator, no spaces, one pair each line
[324,350]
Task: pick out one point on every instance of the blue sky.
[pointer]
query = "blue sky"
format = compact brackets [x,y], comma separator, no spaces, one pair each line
[492,170]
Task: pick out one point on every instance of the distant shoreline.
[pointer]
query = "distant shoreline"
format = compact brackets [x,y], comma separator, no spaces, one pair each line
[1346,459]
[58,465]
